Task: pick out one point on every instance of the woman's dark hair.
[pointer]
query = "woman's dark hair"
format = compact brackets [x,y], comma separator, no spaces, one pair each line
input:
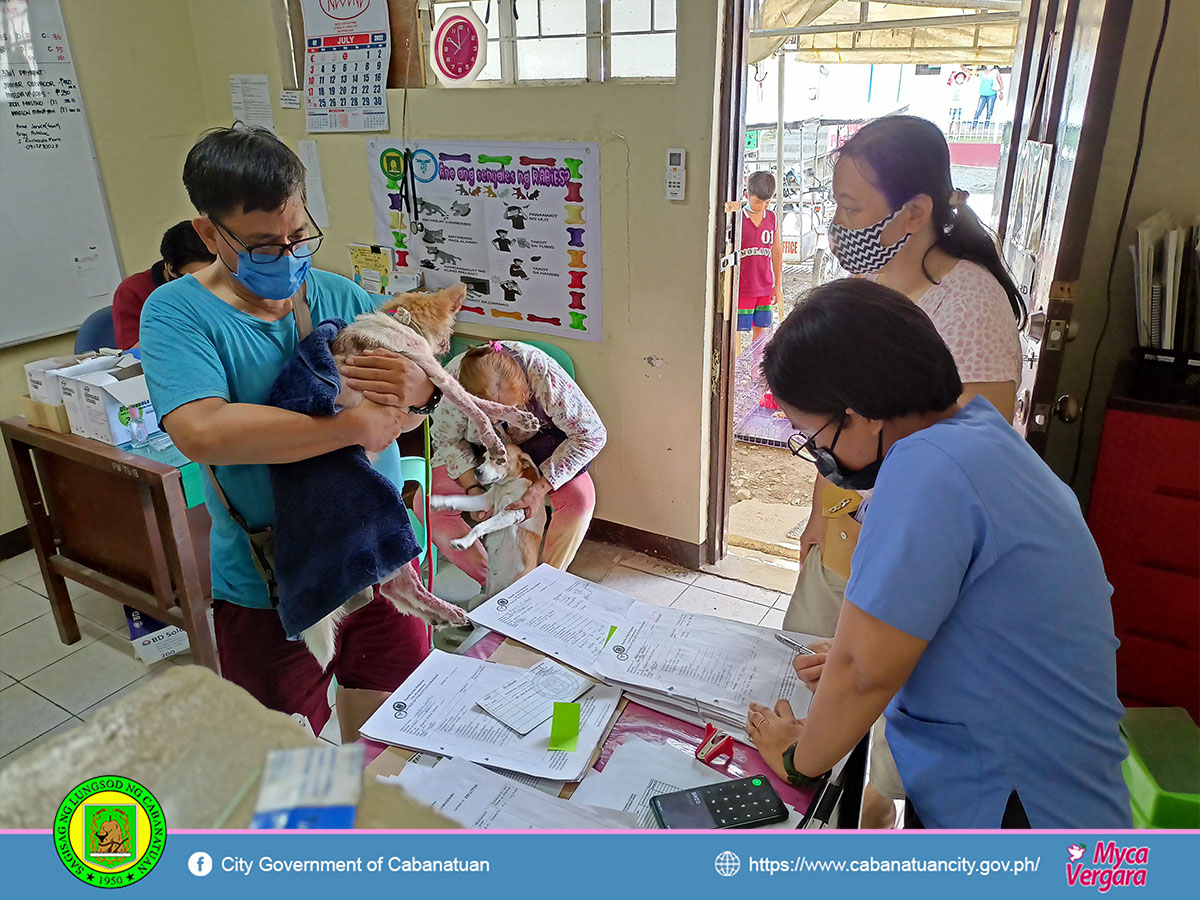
[240,169]
[855,344]
[909,156]
[181,245]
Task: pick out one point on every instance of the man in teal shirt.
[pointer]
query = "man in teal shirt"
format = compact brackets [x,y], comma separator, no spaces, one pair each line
[212,345]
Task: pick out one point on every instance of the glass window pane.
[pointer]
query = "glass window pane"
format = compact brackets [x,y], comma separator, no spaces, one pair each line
[664,15]
[643,56]
[630,15]
[491,68]
[564,16]
[527,18]
[546,59]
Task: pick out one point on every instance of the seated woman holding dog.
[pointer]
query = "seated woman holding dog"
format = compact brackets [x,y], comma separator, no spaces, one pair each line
[570,437]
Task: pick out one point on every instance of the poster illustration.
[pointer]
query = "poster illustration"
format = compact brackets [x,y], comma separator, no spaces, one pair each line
[347,49]
[517,222]
[372,266]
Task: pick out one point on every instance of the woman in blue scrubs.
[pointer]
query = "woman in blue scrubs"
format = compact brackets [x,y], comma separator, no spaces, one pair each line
[977,612]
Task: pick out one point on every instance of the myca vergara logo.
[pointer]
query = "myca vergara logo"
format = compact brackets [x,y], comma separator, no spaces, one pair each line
[1109,866]
[110,831]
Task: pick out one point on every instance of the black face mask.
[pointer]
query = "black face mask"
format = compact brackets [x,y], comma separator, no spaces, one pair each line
[837,475]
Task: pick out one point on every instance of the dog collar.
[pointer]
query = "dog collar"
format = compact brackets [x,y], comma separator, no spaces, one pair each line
[404,317]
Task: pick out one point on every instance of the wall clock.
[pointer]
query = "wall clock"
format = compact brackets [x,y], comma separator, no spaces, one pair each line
[459,46]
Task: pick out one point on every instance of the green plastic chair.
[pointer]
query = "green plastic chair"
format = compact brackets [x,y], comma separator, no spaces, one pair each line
[413,468]
[460,344]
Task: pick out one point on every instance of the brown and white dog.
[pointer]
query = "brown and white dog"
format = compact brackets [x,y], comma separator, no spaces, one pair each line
[511,540]
[417,326]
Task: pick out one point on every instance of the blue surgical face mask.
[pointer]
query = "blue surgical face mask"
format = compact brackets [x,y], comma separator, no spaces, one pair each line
[276,280]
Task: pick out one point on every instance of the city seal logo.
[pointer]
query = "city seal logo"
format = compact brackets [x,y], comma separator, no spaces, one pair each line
[110,831]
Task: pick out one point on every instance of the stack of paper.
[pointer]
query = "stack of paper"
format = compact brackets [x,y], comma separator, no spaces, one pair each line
[478,798]
[702,668]
[1166,278]
[435,711]
[697,668]
[560,614]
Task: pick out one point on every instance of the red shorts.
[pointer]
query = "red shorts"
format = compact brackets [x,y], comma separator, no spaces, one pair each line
[376,648]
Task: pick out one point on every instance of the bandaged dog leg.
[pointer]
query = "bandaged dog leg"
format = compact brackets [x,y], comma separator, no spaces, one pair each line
[497,522]
[460,502]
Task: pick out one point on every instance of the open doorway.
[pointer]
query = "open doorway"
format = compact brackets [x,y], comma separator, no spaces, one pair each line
[814,73]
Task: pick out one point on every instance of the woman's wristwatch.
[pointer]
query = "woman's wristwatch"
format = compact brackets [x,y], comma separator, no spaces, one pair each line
[481,488]
[794,776]
[427,410]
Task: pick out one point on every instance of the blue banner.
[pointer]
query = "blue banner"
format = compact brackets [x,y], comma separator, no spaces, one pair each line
[620,866]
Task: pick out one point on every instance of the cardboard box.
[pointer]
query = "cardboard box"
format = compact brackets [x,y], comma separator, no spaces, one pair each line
[108,397]
[41,377]
[43,415]
[71,392]
[152,640]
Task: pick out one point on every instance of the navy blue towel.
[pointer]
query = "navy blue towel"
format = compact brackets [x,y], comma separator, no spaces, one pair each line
[340,526]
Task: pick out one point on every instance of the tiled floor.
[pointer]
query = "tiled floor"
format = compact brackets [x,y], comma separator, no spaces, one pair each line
[47,687]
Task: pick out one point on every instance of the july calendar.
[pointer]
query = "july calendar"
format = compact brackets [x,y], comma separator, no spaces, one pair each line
[347,51]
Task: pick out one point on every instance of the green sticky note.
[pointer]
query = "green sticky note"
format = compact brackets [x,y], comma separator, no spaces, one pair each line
[611,631]
[564,727]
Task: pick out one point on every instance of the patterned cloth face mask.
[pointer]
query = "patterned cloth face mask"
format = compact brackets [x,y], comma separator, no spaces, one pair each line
[859,251]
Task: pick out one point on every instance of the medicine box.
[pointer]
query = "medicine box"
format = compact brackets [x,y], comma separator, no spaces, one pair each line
[40,381]
[70,390]
[152,640]
[108,397]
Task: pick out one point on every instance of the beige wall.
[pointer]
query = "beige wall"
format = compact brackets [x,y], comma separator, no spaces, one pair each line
[656,253]
[1168,178]
[143,106]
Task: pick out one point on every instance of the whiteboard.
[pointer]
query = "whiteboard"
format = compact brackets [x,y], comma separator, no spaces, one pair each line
[58,257]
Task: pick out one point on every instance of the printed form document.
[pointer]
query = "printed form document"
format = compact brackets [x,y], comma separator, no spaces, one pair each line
[562,615]
[702,668]
[478,798]
[435,711]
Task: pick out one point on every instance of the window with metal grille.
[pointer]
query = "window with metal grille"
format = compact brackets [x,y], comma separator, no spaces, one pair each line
[565,41]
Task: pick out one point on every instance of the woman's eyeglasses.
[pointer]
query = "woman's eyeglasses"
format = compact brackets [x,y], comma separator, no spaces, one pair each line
[804,446]
[268,253]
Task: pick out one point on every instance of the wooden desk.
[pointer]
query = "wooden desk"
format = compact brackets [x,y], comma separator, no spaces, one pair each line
[117,523]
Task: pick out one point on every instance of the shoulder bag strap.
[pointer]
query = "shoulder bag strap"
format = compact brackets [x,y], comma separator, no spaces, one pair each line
[302,313]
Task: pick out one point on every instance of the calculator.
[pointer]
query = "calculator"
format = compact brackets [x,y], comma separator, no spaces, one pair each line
[744,803]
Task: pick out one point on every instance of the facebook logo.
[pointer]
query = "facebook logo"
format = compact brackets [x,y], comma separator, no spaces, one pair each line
[200,864]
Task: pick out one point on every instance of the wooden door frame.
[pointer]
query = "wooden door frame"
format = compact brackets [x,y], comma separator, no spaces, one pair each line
[1088,51]
[732,105]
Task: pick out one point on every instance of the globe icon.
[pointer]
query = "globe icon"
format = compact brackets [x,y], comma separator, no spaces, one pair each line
[727,863]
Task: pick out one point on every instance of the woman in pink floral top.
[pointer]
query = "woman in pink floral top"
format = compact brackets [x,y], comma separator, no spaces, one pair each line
[900,222]
[569,439]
